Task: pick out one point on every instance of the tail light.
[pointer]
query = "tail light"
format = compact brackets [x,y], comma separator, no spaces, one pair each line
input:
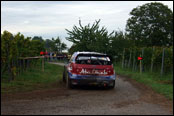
[110,71]
[70,68]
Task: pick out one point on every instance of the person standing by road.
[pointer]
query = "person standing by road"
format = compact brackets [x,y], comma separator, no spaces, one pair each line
[51,56]
[48,56]
[55,57]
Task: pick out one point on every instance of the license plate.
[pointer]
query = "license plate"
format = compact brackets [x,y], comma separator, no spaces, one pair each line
[92,78]
[94,83]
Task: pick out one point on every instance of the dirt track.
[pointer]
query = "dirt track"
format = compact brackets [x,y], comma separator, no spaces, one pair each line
[128,97]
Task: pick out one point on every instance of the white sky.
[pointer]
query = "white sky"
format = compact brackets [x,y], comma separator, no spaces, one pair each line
[50,19]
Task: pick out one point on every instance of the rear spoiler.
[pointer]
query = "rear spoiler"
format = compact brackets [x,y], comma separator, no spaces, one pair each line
[104,55]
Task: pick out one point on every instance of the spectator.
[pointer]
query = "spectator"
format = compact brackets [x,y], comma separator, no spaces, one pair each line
[55,57]
[48,56]
[51,57]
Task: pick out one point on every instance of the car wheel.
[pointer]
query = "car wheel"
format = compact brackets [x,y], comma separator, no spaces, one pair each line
[112,86]
[64,77]
[68,83]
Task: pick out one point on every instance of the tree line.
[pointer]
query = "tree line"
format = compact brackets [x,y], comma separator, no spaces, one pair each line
[149,25]
[15,47]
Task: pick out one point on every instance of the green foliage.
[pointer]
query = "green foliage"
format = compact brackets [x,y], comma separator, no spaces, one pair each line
[34,80]
[63,46]
[38,38]
[15,46]
[48,44]
[150,55]
[151,25]
[35,47]
[55,45]
[118,43]
[162,85]
[89,38]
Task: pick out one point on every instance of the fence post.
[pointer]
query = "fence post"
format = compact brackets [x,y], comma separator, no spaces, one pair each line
[43,64]
[162,65]
[130,58]
[125,64]
[12,69]
[23,65]
[19,61]
[133,67]
[140,65]
[17,66]
[27,63]
[152,59]
[123,58]
[9,71]
[136,65]
[20,70]
[172,63]
[31,65]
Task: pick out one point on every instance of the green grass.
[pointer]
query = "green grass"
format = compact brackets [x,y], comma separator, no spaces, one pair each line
[33,79]
[61,61]
[161,84]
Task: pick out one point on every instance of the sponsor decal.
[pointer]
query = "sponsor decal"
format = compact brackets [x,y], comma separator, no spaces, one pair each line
[84,71]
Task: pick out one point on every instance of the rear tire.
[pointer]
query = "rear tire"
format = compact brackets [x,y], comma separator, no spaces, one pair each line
[112,87]
[64,77]
[68,83]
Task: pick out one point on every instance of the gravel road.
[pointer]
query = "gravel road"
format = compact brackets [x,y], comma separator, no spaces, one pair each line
[127,98]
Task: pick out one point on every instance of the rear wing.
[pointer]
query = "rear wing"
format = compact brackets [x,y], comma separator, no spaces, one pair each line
[100,57]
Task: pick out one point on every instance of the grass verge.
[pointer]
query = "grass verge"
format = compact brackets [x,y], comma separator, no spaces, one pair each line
[33,79]
[161,84]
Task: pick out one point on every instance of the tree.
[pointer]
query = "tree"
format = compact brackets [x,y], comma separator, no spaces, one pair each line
[72,49]
[48,44]
[151,25]
[9,53]
[57,45]
[89,38]
[118,42]
[36,47]
[15,46]
[38,38]
[63,46]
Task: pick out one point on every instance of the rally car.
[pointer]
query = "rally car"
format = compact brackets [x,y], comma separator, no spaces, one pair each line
[89,68]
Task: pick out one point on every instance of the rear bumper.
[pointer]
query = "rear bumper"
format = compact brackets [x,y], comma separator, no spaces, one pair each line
[75,76]
[92,82]
[91,79]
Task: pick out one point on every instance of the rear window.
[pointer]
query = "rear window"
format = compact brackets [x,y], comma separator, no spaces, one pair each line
[93,59]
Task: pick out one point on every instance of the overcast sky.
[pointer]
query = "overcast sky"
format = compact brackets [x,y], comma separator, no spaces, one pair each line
[50,19]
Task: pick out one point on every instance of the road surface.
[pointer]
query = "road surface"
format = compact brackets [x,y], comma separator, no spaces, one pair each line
[127,98]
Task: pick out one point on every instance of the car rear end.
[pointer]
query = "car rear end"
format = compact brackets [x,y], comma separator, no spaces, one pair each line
[99,71]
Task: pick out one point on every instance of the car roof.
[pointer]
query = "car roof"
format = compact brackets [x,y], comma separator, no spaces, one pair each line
[97,53]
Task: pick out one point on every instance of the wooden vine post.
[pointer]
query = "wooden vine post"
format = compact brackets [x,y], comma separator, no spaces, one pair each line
[123,58]
[140,65]
[162,65]
[43,63]
[152,59]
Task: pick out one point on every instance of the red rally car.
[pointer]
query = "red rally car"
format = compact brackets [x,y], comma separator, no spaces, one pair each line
[89,68]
